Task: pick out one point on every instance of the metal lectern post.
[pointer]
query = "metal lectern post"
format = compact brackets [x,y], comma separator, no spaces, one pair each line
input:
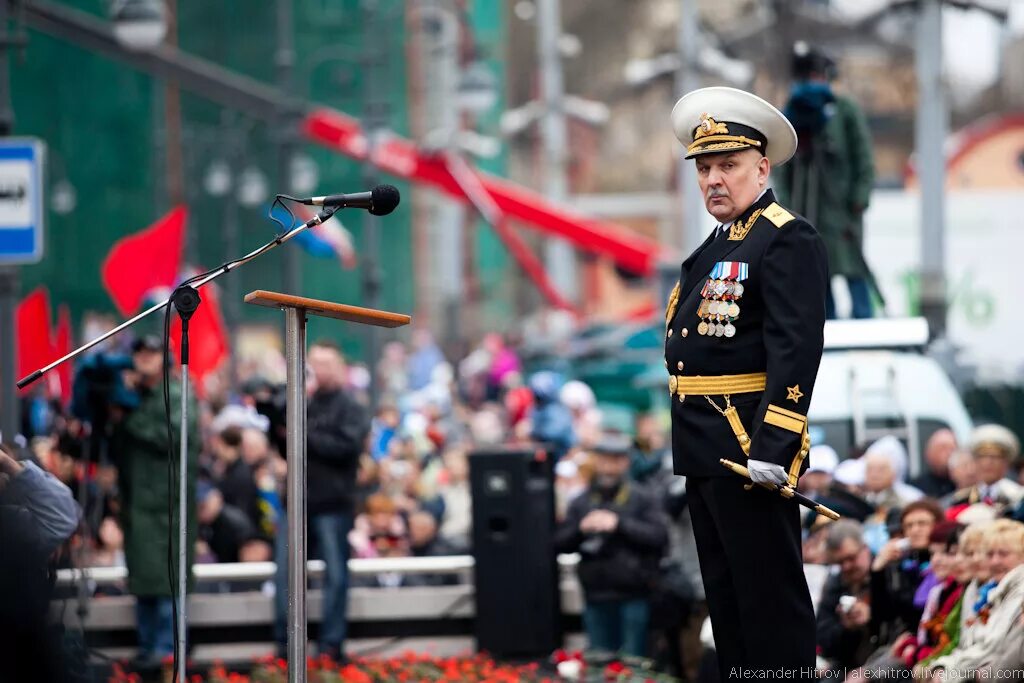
[295,352]
[296,308]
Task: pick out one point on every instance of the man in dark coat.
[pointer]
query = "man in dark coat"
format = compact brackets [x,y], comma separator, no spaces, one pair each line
[934,482]
[620,533]
[336,430]
[149,498]
[743,342]
[844,613]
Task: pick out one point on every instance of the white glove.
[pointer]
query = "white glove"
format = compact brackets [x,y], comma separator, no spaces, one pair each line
[762,472]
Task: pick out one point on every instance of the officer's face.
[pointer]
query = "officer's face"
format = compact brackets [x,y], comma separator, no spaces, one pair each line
[731,182]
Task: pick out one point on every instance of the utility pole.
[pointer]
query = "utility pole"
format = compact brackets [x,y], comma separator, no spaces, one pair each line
[929,136]
[687,80]
[284,61]
[375,118]
[231,147]
[173,149]
[440,30]
[9,422]
[559,256]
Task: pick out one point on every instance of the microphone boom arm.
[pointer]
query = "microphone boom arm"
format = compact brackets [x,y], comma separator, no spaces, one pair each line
[320,218]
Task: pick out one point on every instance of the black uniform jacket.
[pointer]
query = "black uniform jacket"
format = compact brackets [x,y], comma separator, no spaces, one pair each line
[781,265]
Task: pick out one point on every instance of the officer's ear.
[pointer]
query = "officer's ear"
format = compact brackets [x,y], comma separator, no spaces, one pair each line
[764,168]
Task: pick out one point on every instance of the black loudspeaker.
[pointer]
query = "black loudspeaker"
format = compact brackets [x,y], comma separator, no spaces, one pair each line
[517,598]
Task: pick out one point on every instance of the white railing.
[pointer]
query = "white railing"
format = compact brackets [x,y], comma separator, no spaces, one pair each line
[264,571]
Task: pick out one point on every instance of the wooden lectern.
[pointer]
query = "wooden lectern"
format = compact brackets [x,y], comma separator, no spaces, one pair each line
[295,310]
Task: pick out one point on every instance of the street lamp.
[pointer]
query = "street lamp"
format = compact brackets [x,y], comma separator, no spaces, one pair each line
[478,88]
[139,24]
[303,174]
[217,180]
[63,197]
[252,187]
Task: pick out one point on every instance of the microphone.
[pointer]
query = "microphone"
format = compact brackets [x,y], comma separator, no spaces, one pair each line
[380,201]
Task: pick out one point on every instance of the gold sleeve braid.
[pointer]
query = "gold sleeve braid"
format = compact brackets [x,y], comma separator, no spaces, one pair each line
[791,422]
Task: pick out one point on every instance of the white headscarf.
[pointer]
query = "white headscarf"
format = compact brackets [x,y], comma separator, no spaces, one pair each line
[893,449]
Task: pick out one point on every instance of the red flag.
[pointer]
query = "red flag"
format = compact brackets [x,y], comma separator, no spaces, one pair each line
[32,320]
[149,259]
[61,347]
[207,338]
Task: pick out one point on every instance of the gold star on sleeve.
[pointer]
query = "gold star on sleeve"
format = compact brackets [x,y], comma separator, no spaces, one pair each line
[794,394]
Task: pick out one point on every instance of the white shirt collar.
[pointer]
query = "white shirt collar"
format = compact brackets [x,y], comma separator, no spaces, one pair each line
[722,226]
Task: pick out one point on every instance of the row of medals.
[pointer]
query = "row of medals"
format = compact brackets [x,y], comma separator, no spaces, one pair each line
[719,307]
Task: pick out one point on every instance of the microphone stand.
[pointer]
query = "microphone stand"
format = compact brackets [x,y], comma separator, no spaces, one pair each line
[185,300]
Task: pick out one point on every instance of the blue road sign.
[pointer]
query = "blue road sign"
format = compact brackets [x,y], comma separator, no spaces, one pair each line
[21,200]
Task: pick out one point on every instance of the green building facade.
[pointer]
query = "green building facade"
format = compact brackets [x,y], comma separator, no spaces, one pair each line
[104,126]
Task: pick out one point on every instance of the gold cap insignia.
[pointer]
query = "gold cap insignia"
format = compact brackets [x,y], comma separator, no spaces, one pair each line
[708,126]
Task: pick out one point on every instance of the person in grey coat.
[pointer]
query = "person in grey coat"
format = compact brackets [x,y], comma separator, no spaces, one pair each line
[37,514]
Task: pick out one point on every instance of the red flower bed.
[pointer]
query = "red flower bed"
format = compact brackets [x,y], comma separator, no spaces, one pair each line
[412,667]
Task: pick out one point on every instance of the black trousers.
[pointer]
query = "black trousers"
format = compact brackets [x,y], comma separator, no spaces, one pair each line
[751,561]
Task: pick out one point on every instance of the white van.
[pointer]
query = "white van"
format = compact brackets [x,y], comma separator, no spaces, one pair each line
[875,380]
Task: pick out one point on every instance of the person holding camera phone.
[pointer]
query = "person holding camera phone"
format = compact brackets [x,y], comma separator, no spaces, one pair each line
[619,531]
[899,568]
[844,613]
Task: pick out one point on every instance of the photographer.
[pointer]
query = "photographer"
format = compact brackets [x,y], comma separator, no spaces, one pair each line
[899,568]
[618,529]
[140,448]
[37,514]
[829,180]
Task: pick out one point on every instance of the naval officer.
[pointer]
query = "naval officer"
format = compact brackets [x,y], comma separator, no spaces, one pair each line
[743,341]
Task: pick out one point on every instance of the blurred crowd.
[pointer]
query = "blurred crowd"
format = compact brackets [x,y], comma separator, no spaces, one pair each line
[922,577]
[392,483]
[923,572]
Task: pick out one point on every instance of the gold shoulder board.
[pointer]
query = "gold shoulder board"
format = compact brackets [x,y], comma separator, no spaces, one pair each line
[673,301]
[777,215]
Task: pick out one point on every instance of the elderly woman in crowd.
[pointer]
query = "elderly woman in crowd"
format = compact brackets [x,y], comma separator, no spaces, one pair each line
[998,607]
[970,568]
[899,568]
[892,450]
[933,632]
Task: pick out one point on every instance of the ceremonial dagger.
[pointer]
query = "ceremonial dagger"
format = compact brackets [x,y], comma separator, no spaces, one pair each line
[784,491]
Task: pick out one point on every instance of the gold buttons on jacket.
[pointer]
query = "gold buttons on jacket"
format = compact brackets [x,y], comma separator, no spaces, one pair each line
[679,365]
[670,333]
[684,332]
